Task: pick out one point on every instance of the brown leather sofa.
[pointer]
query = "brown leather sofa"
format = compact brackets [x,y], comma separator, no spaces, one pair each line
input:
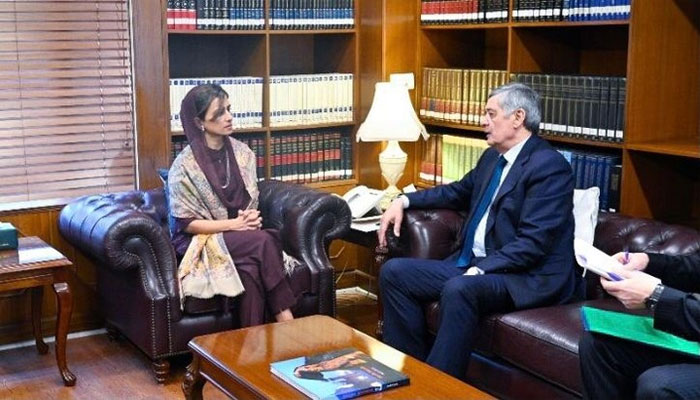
[533,354]
[126,234]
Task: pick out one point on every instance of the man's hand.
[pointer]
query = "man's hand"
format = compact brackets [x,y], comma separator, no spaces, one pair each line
[633,290]
[634,262]
[393,214]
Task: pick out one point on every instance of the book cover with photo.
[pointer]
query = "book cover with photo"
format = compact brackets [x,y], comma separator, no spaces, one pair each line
[338,374]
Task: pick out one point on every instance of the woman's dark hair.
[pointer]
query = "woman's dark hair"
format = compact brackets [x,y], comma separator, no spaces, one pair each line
[204,95]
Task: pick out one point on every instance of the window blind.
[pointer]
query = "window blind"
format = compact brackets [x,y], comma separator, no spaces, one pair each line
[66,120]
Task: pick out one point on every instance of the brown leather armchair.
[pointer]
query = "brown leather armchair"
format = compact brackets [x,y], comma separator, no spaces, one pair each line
[533,354]
[126,234]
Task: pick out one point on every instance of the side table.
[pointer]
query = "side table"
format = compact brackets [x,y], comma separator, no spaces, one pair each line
[33,265]
[369,240]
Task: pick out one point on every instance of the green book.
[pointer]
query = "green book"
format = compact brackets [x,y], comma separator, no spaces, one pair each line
[637,328]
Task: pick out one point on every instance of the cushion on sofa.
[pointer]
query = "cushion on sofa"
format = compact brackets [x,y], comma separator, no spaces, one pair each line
[586,213]
[544,341]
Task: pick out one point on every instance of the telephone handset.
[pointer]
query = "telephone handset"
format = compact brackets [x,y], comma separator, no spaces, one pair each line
[362,200]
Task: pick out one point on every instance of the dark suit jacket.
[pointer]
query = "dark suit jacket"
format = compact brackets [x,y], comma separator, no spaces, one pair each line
[530,228]
[678,310]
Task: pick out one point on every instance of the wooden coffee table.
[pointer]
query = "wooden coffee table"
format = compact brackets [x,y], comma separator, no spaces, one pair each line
[238,362]
[35,264]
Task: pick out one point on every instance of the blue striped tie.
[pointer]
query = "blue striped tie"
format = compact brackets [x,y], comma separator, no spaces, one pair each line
[466,255]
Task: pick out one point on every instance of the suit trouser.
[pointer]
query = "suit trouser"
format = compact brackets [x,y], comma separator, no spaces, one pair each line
[407,284]
[620,369]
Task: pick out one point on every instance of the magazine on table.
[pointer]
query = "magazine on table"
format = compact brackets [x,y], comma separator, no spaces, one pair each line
[338,374]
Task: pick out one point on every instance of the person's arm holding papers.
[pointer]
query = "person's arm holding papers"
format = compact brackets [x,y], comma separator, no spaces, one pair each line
[677,304]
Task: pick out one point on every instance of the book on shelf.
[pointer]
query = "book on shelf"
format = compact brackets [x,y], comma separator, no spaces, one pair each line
[338,374]
[457,95]
[636,328]
[570,10]
[580,106]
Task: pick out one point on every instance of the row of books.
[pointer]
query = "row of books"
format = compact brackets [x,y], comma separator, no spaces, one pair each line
[296,157]
[311,157]
[463,11]
[570,10]
[447,158]
[457,95]
[312,14]
[215,14]
[587,107]
[311,99]
[255,142]
[601,170]
[245,96]
[492,11]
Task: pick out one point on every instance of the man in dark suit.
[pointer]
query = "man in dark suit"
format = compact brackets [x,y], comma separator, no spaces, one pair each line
[619,369]
[517,242]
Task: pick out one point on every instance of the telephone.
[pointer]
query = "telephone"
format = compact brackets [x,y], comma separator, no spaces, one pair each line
[363,200]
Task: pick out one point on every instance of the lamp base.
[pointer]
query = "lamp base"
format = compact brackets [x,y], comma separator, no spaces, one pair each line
[392,162]
[390,194]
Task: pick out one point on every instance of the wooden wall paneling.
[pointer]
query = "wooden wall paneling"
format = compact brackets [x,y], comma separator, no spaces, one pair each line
[151,90]
[664,75]
[496,48]
[400,42]
[342,59]
[609,43]
[661,187]
[453,49]
[216,55]
[544,50]
[285,53]
[371,71]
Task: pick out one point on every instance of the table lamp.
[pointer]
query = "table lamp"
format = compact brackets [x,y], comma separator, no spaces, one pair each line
[391,118]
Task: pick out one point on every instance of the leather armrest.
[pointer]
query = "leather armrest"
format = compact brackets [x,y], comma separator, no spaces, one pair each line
[430,234]
[308,220]
[119,232]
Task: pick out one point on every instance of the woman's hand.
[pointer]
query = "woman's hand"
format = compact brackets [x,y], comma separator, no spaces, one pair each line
[247,220]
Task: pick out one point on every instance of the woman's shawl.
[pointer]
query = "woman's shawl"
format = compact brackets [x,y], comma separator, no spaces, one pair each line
[207,268]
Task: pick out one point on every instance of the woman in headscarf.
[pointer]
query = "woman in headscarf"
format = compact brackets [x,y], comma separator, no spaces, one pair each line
[217,228]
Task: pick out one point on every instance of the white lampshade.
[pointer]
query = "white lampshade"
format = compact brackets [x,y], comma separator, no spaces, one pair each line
[391,116]
[393,119]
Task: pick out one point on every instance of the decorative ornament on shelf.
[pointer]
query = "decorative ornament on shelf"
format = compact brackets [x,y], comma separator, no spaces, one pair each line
[391,118]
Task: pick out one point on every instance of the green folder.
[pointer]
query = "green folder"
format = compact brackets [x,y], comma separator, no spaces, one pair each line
[636,328]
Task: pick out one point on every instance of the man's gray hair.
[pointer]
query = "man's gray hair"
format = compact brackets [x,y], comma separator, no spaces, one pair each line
[517,95]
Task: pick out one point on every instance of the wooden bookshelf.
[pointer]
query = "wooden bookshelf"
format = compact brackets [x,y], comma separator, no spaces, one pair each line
[657,50]
[265,53]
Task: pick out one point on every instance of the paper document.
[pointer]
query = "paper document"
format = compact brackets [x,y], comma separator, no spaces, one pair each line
[366,224]
[594,260]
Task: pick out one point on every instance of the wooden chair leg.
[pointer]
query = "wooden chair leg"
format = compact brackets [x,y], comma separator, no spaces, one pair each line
[161,368]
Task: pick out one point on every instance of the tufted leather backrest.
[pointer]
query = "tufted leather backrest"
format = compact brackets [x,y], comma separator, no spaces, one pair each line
[615,233]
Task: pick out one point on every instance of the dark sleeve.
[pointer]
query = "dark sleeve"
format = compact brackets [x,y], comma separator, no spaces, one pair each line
[182,223]
[454,196]
[678,313]
[680,272]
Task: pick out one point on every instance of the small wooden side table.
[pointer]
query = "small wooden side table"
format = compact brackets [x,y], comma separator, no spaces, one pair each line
[33,265]
[379,254]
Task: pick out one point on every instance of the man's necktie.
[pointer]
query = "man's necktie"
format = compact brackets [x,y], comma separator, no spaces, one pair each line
[466,255]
